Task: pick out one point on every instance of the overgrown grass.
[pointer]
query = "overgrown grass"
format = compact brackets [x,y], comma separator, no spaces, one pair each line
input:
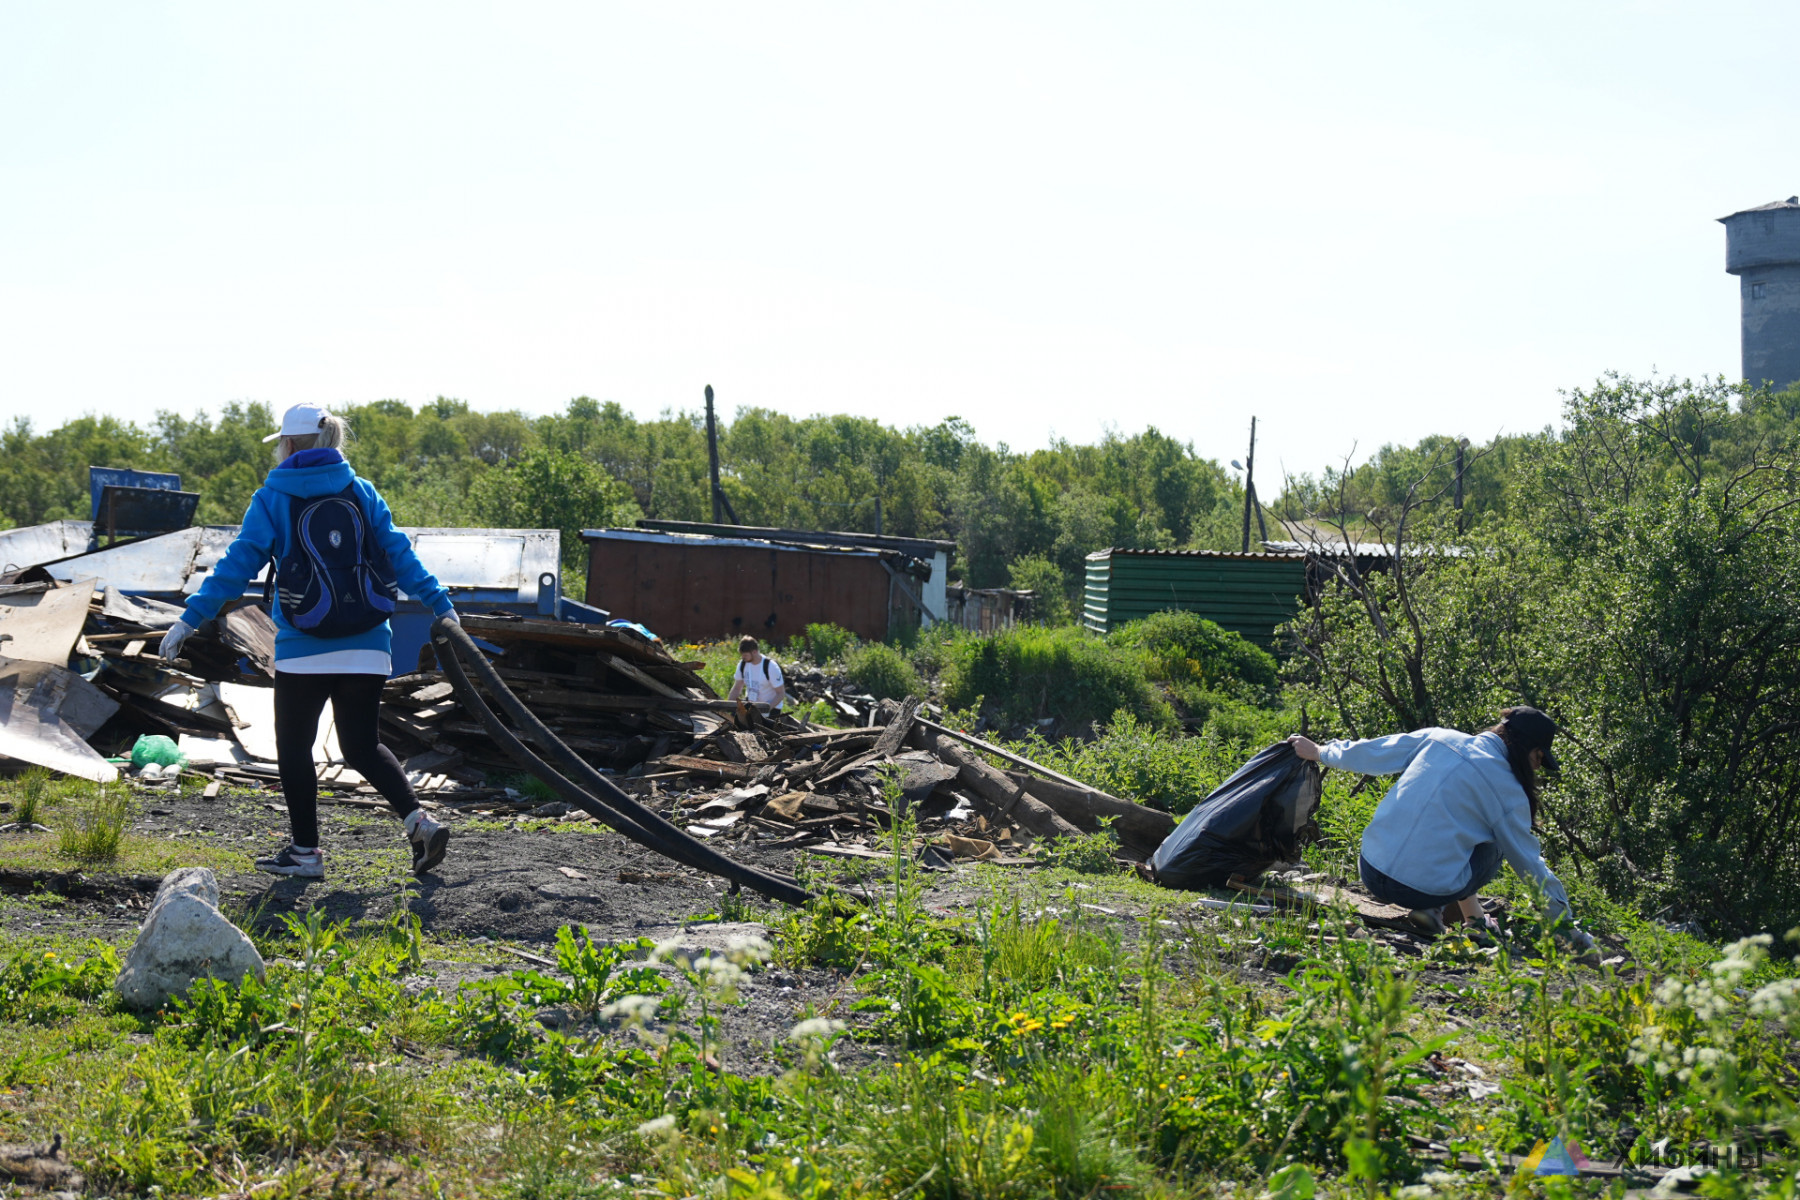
[92,829]
[31,794]
[1036,1046]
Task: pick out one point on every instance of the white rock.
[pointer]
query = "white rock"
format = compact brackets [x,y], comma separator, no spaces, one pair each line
[184,938]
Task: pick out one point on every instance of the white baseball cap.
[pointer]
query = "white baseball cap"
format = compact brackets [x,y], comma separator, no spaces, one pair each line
[302,420]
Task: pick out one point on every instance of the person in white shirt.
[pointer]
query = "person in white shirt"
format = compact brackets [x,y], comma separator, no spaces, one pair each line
[758,677]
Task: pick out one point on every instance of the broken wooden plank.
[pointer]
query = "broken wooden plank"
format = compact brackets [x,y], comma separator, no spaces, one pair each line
[703,766]
[894,735]
[432,693]
[1007,755]
[640,677]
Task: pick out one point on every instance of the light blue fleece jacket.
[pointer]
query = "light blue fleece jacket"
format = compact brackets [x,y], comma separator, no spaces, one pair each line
[1455,791]
[306,475]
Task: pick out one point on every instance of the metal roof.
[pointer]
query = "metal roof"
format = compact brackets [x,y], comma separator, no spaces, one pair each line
[1771,206]
[696,539]
[917,547]
[1254,556]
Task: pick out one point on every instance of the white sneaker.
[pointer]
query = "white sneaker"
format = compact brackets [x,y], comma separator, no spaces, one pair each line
[429,840]
[308,864]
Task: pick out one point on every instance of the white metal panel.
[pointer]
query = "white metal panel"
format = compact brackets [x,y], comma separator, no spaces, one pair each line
[34,544]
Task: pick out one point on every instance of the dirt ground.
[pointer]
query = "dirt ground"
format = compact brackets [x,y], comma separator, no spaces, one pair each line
[507,887]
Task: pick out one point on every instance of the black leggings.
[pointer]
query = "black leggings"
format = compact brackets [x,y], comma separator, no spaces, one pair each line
[356,705]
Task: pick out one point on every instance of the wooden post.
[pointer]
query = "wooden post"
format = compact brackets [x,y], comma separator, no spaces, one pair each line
[712,458]
[1461,445]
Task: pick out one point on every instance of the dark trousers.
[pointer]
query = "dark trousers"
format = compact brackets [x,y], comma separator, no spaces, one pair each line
[356,705]
[1484,864]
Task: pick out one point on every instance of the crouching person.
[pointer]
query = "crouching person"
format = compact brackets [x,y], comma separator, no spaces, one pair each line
[1463,804]
[336,559]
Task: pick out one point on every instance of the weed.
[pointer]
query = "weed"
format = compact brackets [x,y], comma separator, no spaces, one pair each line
[39,987]
[882,672]
[1087,854]
[826,643]
[93,830]
[596,974]
[32,793]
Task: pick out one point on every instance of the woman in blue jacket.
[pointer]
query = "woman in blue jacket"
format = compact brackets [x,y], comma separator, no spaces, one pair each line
[349,671]
[1463,804]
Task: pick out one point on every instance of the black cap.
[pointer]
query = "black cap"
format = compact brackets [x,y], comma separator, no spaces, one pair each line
[1532,730]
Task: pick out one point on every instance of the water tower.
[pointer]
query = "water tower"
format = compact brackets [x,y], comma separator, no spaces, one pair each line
[1762,248]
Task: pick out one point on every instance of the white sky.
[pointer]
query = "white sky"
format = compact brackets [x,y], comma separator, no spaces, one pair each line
[1363,223]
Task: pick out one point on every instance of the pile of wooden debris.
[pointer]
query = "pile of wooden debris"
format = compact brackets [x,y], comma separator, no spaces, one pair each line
[619,699]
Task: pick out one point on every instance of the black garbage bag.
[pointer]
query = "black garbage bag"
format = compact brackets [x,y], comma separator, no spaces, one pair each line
[1260,816]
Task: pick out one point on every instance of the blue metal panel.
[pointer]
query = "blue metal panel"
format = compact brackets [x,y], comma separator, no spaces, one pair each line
[100,478]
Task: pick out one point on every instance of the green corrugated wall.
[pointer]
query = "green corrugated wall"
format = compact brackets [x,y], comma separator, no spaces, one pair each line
[1247,595]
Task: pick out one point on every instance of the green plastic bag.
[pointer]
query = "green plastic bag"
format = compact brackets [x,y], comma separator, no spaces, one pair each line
[155,748]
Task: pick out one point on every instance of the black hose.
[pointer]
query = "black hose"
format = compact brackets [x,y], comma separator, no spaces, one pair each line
[595,794]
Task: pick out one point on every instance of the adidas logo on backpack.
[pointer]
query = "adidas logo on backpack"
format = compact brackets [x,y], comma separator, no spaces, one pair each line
[334,581]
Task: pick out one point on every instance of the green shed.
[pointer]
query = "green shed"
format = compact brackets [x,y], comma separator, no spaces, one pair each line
[1247,593]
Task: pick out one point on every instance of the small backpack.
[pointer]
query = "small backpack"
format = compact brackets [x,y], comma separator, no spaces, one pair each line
[334,580]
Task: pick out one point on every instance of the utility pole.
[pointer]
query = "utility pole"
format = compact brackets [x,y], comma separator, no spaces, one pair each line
[721,506]
[1250,488]
[878,514]
[1462,444]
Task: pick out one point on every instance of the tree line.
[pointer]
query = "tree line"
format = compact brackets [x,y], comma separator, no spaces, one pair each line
[1019,518]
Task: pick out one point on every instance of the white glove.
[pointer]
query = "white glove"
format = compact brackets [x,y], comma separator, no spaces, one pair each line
[174,639]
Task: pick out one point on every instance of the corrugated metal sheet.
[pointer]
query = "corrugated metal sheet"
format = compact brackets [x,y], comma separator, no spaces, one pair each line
[1249,594]
[484,569]
[704,589]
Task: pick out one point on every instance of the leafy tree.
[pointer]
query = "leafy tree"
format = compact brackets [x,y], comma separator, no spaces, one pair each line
[553,489]
[1045,580]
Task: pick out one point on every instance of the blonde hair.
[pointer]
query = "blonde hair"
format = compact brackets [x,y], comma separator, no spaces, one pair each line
[334,434]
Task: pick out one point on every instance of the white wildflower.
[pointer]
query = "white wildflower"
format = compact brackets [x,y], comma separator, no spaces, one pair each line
[657,1125]
[1780,999]
[815,1028]
[1742,957]
[748,949]
[635,1010]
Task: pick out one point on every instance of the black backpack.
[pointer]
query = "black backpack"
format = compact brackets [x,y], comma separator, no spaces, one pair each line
[335,580]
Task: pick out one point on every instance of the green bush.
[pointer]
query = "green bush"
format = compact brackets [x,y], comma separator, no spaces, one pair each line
[828,643]
[1029,672]
[1200,663]
[1038,575]
[1135,761]
[882,672]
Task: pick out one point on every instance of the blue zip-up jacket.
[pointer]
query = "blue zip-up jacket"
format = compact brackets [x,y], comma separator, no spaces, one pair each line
[306,475]
[1455,791]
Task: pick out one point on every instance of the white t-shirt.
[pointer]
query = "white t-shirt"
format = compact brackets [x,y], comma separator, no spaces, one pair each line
[758,688]
[339,662]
